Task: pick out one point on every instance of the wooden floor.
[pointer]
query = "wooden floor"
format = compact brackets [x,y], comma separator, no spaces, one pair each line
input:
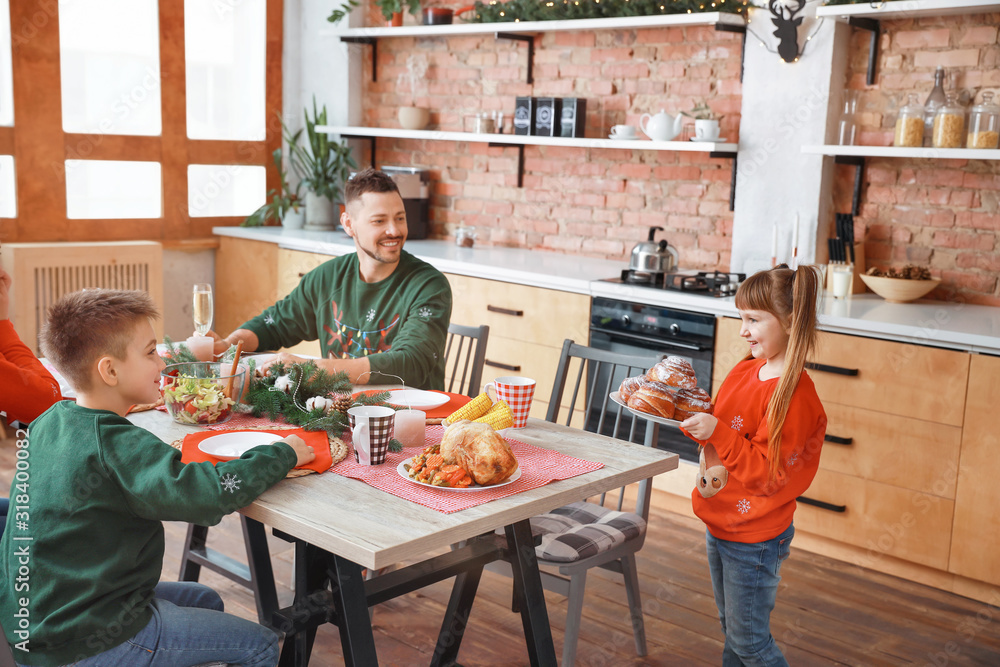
[828,612]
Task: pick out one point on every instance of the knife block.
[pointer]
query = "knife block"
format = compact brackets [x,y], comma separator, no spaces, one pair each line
[857,285]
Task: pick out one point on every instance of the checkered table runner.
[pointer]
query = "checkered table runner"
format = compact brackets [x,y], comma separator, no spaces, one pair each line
[538,468]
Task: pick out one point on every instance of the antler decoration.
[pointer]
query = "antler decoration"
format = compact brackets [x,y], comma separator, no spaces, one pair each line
[787,27]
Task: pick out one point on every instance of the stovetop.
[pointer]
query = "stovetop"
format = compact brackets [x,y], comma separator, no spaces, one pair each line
[709,283]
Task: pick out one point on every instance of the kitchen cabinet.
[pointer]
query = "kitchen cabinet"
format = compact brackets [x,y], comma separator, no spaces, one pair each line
[975,542]
[292,265]
[246,281]
[527,328]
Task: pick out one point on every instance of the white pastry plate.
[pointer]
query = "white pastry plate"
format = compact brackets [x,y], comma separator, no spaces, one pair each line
[418,398]
[622,137]
[717,140]
[229,446]
[404,467]
[616,397]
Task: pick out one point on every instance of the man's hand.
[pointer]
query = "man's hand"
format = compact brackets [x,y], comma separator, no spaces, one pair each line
[5,282]
[249,338]
[700,426]
[284,357]
[303,452]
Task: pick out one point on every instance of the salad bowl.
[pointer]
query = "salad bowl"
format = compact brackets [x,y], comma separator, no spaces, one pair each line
[201,392]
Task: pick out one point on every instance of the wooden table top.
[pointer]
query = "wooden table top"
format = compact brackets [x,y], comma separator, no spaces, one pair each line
[376,529]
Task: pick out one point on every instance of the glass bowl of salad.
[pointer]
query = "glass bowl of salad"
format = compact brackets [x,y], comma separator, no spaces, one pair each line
[201,392]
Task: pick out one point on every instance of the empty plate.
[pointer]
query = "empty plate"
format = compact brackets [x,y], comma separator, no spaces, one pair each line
[228,446]
[418,398]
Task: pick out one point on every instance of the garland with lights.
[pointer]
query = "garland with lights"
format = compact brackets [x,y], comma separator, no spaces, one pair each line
[533,10]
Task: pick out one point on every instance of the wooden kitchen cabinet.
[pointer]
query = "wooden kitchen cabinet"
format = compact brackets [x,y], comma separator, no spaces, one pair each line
[246,281]
[292,266]
[975,542]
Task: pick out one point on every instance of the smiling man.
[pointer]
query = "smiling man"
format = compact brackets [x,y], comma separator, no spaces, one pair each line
[377,313]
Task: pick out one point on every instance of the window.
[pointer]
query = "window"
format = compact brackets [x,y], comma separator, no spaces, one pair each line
[113,189]
[109,52]
[222,189]
[6,71]
[8,198]
[225,52]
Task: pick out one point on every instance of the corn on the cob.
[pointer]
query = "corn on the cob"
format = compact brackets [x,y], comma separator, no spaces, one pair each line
[472,410]
[500,416]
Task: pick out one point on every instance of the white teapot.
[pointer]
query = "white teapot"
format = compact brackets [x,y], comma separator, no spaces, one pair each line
[662,126]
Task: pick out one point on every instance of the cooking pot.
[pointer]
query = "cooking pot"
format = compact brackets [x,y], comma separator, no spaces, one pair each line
[653,257]
[442,15]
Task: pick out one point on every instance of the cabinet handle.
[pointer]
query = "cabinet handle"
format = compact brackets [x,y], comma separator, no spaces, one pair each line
[505,311]
[506,367]
[838,440]
[839,370]
[823,506]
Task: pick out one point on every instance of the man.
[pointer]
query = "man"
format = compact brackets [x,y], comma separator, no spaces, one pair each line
[379,313]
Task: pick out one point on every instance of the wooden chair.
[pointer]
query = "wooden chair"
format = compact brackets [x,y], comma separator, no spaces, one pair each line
[613,536]
[465,354]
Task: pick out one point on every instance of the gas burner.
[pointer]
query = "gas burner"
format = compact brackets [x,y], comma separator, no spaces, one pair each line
[642,278]
[714,283]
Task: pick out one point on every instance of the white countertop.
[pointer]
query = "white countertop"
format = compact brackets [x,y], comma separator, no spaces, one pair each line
[935,323]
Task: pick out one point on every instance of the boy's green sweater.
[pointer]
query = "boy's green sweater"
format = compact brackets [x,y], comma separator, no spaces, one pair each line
[401,322]
[83,547]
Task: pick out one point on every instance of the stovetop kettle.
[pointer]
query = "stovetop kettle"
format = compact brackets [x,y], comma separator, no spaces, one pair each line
[653,256]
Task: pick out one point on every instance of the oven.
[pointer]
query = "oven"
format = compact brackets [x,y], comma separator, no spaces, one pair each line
[638,329]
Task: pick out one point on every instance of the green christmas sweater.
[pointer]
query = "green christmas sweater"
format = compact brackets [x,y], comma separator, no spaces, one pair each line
[84,542]
[401,322]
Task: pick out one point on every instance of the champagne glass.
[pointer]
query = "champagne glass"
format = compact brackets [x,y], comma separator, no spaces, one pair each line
[204,308]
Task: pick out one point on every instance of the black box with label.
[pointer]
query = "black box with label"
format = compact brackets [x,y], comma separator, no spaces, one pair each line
[524,115]
[546,117]
[572,117]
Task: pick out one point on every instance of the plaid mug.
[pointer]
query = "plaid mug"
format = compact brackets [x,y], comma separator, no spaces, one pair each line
[517,393]
[371,431]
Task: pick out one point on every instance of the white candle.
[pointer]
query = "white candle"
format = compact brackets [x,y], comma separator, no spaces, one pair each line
[202,347]
[409,427]
[774,243]
[795,234]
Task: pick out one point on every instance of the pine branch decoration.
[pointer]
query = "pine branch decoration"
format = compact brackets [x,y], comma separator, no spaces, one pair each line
[177,353]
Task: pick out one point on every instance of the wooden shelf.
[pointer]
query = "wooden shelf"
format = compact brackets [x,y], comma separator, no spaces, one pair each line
[627,22]
[904,9]
[893,151]
[525,140]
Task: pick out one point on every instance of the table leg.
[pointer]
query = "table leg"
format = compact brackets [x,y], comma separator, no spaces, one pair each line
[351,600]
[528,582]
[310,575]
[456,618]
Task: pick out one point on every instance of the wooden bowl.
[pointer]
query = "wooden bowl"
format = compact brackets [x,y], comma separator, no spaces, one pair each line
[899,290]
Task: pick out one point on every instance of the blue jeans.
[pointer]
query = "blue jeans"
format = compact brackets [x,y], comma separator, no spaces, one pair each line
[189,628]
[745,582]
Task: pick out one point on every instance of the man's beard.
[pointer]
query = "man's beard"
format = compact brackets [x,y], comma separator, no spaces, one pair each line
[378,257]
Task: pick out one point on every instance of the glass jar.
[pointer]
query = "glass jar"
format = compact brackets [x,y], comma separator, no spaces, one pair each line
[984,124]
[949,125]
[910,124]
[848,124]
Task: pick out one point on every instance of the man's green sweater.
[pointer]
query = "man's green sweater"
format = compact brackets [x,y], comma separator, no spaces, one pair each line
[83,547]
[401,322]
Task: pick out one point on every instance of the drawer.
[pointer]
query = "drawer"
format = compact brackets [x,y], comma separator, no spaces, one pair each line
[901,379]
[882,519]
[542,316]
[292,265]
[880,444]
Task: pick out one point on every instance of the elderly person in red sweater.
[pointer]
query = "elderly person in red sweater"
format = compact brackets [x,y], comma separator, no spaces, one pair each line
[26,388]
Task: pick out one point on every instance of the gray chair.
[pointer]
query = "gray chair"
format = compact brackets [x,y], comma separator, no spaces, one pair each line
[583,535]
[465,354]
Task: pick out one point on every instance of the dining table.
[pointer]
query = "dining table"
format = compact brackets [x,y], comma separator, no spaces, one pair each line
[344,530]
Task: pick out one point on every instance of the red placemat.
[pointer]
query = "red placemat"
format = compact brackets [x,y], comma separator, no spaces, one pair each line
[440,412]
[316,439]
[538,468]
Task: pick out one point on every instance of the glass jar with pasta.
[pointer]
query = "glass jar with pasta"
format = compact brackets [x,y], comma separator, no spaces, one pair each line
[984,124]
[949,125]
[910,124]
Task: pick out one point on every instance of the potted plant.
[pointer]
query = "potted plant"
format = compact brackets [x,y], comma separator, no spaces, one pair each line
[323,167]
[392,10]
[413,117]
[706,125]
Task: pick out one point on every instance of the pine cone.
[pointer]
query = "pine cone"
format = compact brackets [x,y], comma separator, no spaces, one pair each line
[342,402]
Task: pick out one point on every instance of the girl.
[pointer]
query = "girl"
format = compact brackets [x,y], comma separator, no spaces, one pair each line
[765,436]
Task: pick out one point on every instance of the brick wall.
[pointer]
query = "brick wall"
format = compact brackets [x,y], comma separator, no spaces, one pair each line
[591,202]
[941,213]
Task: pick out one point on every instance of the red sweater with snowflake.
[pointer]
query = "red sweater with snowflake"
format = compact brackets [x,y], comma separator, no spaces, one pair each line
[26,388]
[751,507]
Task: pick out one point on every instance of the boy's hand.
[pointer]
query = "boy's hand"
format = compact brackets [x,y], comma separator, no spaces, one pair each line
[303,452]
[700,426]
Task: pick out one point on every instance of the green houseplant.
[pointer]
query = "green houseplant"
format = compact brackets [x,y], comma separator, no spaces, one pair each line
[387,7]
[706,125]
[323,167]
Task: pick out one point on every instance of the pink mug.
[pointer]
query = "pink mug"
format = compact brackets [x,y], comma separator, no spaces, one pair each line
[517,393]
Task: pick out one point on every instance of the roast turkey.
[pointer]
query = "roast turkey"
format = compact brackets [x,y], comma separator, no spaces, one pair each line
[480,451]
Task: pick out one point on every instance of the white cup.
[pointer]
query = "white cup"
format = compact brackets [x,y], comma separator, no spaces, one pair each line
[843,275]
[706,130]
[410,427]
[623,131]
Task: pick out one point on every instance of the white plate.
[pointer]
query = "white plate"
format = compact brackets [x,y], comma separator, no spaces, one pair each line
[616,397]
[418,398]
[229,446]
[718,140]
[475,487]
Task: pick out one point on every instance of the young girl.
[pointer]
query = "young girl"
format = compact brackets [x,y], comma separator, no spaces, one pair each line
[764,436]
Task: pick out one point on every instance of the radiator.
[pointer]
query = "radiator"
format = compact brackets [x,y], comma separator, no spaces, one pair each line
[43,272]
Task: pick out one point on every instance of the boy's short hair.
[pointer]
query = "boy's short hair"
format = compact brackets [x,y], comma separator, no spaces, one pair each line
[368,180]
[83,326]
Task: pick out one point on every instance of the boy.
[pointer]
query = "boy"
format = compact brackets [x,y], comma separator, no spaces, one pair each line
[81,558]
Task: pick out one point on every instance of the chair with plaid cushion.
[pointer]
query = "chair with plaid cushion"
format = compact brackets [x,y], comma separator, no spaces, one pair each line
[599,532]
